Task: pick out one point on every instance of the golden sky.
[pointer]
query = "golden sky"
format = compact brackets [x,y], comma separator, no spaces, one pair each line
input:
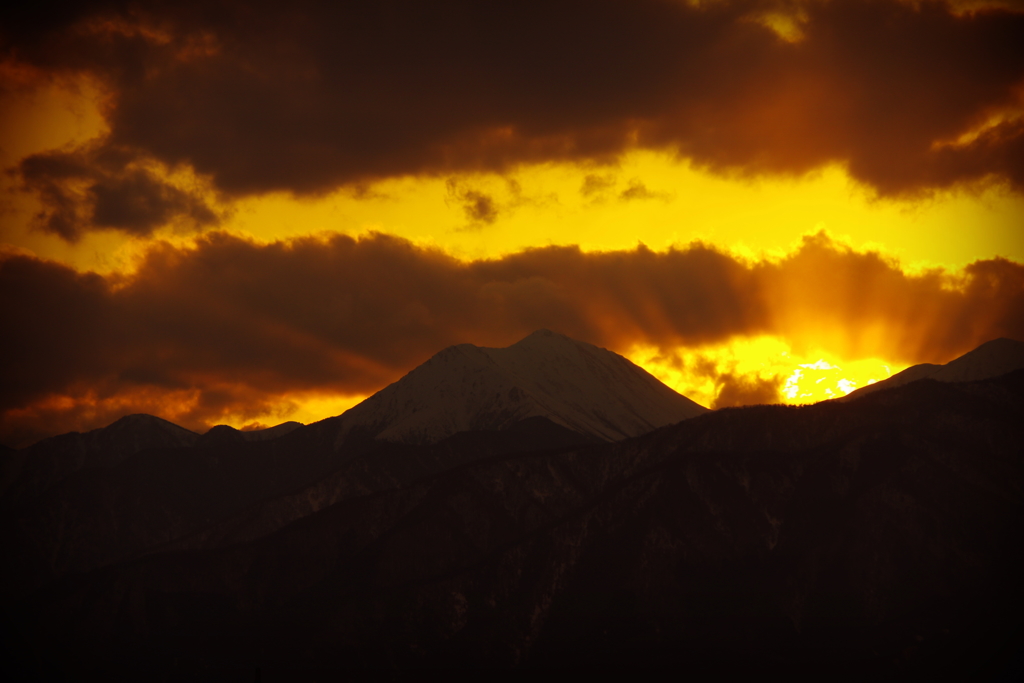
[221,214]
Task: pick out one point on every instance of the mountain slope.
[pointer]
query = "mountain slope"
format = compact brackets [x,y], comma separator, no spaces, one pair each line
[587,389]
[68,511]
[42,465]
[879,539]
[991,359]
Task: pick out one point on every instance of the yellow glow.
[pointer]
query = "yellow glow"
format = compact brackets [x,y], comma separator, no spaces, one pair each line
[800,377]
[314,408]
[304,408]
[787,25]
[562,204]
[591,206]
[820,380]
[37,115]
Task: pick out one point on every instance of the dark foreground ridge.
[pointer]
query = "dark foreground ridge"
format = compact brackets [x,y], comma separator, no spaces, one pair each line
[877,538]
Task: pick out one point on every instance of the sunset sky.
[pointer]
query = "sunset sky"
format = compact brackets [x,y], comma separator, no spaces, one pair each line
[244,213]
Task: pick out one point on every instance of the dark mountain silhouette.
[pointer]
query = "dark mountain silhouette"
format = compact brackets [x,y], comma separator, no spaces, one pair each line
[44,464]
[991,359]
[11,462]
[179,489]
[101,514]
[271,432]
[226,434]
[881,537]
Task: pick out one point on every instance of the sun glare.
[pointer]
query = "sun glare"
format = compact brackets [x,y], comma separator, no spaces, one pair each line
[758,370]
[821,380]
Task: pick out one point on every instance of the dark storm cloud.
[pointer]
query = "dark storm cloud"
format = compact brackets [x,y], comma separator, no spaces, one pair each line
[102,189]
[305,97]
[233,327]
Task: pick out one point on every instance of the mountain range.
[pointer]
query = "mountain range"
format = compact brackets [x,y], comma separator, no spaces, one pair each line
[991,359]
[545,505]
[177,487]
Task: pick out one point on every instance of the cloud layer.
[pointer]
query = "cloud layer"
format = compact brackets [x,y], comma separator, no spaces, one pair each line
[235,327]
[106,188]
[306,97]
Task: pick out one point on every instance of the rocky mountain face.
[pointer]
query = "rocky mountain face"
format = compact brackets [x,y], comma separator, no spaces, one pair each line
[876,538]
[991,359]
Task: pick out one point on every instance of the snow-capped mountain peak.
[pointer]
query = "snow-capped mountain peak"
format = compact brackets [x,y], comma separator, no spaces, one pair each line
[587,389]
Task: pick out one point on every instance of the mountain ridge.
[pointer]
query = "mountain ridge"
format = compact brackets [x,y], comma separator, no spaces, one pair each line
[991,359]
[585,388]
[878,539]
[178,483]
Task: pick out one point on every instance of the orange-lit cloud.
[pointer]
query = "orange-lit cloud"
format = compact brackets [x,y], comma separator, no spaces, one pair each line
[230,327]
[909,97]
